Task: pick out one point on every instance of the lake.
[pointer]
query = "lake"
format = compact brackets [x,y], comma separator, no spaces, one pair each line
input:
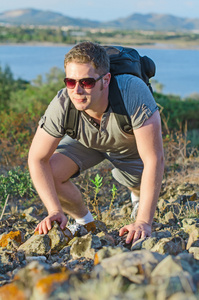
[177,70]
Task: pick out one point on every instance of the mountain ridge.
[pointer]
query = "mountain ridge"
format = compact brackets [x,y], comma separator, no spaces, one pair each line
[135,21]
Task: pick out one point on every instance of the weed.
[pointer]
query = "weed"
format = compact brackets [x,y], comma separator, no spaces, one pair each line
[97,185]
[16,183]
[114,193]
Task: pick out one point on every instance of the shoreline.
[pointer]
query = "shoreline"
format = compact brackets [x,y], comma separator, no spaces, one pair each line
[159,46]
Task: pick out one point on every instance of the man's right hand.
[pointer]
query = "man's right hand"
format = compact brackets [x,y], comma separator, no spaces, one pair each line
[45,225]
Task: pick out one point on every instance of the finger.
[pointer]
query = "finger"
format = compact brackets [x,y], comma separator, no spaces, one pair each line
[63,223]
[44,227]
[130,236]
[137,236]
[48,224]
[122,231]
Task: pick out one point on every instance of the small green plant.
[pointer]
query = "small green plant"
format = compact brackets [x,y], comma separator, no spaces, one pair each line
[16,183]
[114,193]
[97,185]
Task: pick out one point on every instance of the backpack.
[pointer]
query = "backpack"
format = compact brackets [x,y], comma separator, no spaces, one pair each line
[123,60]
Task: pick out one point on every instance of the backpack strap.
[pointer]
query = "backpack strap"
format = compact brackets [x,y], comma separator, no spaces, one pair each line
[71,121]
[118,107]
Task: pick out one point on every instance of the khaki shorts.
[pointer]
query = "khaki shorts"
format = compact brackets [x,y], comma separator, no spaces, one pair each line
[126,171]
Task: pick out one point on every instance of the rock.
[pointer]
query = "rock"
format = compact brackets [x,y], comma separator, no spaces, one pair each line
[59,238]
[193,236]
[85,246]
[134,265]
[11,240]
[138,244]
[30,214]
[45,286]
[170,218]
[38,244]
[107,252]
[161,234]
[171,277]
[171,246]
[10,260]
[195,252]
[106,239]
[190,224]
[149,243]
[167,266]
[182,296]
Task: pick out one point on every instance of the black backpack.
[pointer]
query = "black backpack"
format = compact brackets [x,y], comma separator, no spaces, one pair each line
[123,60]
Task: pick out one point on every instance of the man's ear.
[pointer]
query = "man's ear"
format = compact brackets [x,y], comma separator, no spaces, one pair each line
[106,80]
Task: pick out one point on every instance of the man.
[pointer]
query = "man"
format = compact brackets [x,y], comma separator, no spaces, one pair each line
[138,159]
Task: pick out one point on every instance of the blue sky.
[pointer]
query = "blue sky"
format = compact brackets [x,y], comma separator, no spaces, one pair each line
[107,10]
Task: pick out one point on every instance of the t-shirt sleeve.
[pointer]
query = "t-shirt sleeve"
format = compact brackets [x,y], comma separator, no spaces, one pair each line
[53,119]
[138,100]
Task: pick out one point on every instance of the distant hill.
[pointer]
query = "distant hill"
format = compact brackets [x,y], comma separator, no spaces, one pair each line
[40,17]
[135,21]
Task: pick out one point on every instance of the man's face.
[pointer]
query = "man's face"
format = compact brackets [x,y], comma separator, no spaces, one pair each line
[84,98]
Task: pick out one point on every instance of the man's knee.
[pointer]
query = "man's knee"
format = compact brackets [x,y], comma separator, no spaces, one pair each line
[63,167]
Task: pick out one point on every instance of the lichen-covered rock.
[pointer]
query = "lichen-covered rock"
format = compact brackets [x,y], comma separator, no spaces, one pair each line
[38,244]
[11,238]
[58,238]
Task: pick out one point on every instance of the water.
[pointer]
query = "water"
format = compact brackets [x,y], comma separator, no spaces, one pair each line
[177,70]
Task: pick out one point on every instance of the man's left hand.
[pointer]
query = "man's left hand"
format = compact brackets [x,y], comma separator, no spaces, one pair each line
[136,231]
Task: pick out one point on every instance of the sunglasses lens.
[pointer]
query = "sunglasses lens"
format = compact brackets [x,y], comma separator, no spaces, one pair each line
[70,83]
[87,83]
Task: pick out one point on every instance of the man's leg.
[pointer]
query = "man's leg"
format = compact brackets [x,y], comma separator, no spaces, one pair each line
[71,158]
[70,197]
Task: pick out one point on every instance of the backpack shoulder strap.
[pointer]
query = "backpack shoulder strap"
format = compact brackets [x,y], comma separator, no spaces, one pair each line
[117,105]
[71,121]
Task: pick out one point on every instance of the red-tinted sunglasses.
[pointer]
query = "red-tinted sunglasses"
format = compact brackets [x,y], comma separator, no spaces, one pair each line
[85,83]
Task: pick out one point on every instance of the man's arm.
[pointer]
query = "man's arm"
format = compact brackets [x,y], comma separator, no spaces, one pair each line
[150,147]
[41,150]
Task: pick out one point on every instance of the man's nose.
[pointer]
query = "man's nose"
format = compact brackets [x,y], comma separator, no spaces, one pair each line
[78,89]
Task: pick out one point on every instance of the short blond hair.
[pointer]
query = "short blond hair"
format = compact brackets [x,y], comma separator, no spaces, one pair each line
[88,52]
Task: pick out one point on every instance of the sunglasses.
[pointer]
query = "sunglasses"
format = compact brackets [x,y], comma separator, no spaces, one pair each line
[85,83]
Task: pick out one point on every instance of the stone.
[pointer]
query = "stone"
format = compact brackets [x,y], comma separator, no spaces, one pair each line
[106,252]
[161,234]
[30,214]
[134,265]
[10,260]
[170,218]
[193,237]
[138,244]
[168,266]
[12,291]
[105,239]
[149,243]
[170,245]
[58,238]
[195,252]
[38,244]
[12,236]
[182,296]
[190,224]
[85,246]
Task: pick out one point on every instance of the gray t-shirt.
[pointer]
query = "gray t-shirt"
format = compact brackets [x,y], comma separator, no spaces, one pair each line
[109,138]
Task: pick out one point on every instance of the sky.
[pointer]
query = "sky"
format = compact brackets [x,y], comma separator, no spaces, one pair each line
[107,10]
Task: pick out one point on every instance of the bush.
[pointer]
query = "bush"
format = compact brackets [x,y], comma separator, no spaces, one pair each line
[16,183]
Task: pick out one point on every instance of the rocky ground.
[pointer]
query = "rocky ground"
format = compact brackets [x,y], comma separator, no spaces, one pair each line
[101,265]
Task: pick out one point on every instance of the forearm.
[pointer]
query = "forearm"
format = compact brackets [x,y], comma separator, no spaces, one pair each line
[42,178]
[150,189]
